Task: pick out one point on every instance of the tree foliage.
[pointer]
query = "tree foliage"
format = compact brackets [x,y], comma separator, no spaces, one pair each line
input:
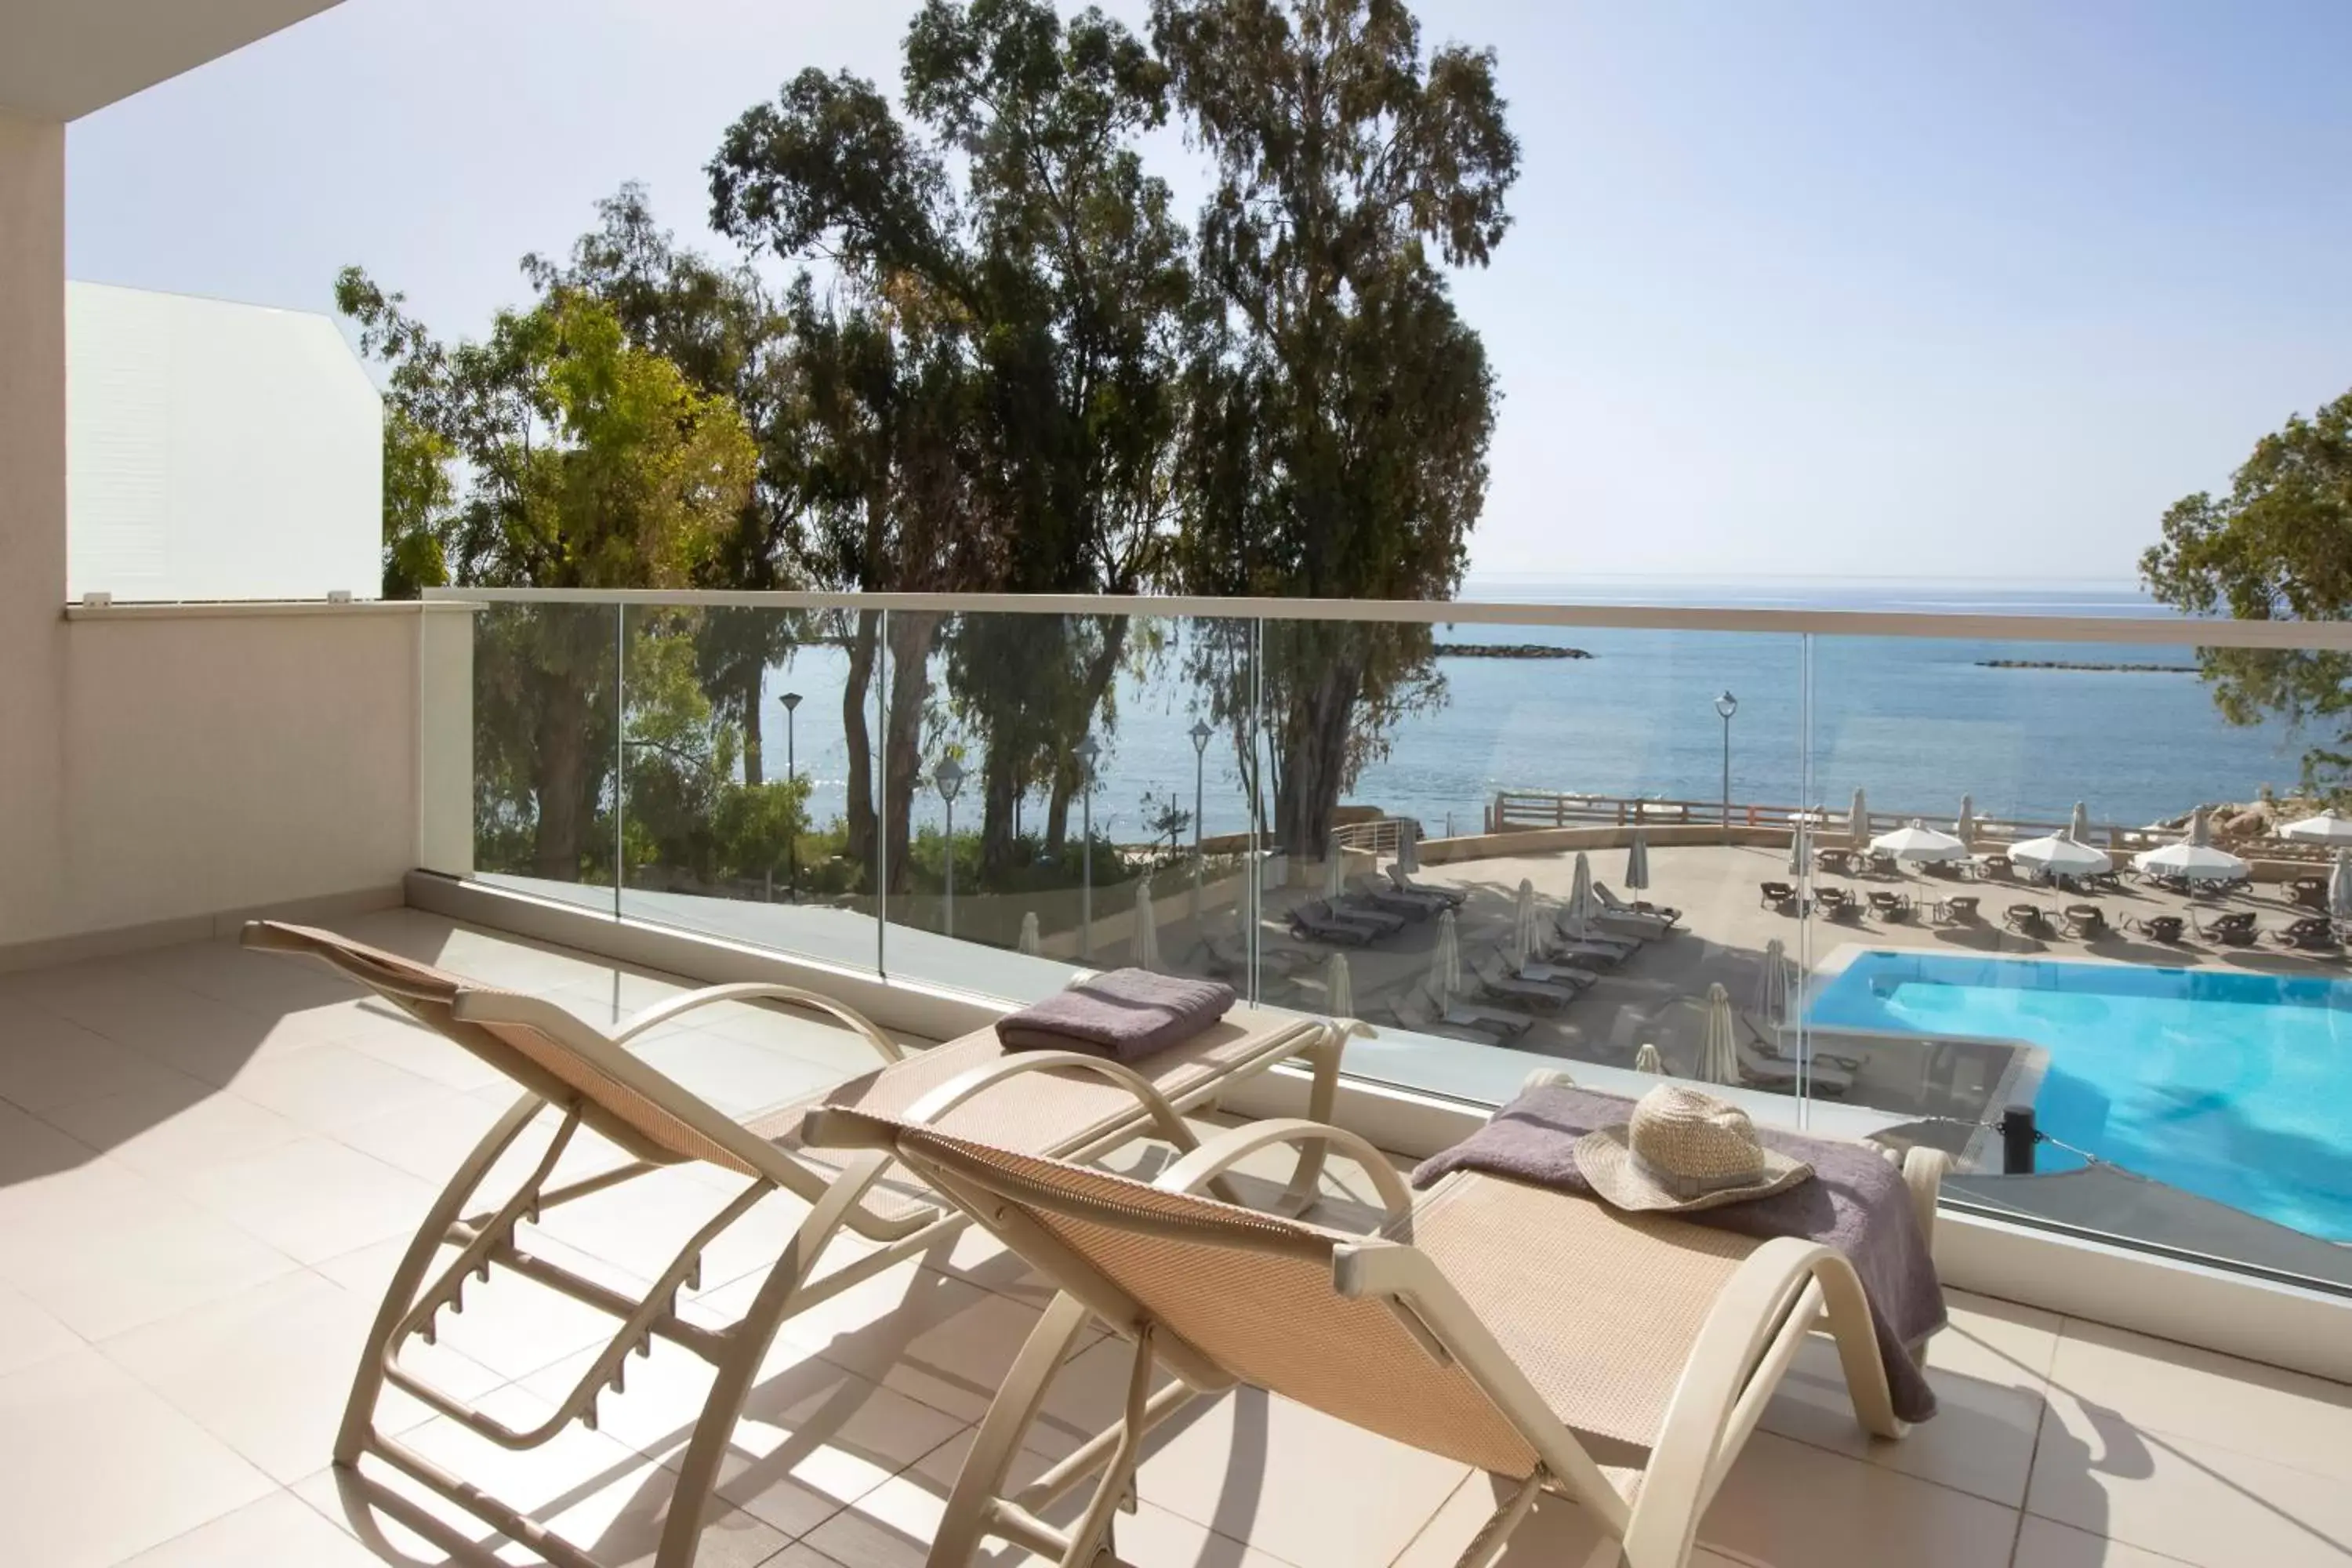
[2278,546]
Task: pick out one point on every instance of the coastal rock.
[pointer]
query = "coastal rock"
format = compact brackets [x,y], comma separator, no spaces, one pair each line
[1505,650]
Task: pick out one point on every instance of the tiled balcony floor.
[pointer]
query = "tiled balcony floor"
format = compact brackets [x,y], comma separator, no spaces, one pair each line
[210,1160]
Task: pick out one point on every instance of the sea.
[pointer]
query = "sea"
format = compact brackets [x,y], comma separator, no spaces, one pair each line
[1916,723]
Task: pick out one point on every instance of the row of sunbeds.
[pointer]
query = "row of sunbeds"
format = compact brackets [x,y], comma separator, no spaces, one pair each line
[1402,1330]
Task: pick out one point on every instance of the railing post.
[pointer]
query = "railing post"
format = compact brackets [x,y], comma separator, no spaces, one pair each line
[2018,1138]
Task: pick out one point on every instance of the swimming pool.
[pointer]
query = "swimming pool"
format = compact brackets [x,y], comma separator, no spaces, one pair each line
[2235,1086]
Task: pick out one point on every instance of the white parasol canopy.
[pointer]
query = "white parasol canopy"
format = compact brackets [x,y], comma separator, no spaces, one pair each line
[1637,861]
[1335,870]
[1857,822]
[1028,943]
[1964,828]
[1581,909]
[2078,826]
[1916,841]
[1339,990]
[1409,845]
[2060,855]
[1799,847]
[1523,931]
[1146,929]
[1719,1057]
[2193,858]
[2325,828]
[1445,962]
[1772,986]
[1647,1059]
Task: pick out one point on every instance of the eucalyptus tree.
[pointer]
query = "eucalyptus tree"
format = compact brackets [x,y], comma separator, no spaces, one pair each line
[2277,546]
[1340,407]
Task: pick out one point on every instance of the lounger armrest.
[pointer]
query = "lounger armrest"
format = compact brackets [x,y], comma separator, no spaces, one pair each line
[1203,1164]
[964,1086]
[1923,1172]
[752,990]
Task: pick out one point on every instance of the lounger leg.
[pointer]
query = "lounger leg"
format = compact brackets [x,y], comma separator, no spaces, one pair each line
[367,1386]
[1091,1539]
[1306,1180]
[1496,1533]
[750,1338]
[980,1482]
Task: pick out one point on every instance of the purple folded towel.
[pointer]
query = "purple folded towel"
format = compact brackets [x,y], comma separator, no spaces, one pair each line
[1856,1202]
[1123,1013]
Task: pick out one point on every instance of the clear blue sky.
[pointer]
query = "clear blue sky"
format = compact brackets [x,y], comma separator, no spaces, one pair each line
[1968,291]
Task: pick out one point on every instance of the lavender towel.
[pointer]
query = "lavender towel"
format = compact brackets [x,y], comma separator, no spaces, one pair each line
[1122,1013]
[1856,1202]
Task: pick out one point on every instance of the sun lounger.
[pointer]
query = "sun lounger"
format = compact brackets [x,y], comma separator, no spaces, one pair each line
[1759,1069]
[1560,974]
[2026,919]
[1413,1012]
[2084,921]
[1454,1010]
[1888,905]
[1768,1042]
[2236,929]
[1568,936]
[1616,908]
[1386,922]
[2160,927]
[1498,982]
[1050,1102]
[1224,956]
[1367,891]
[1837,904]
[1618,1361]
[1317,922]
[1778,896]
[2313,934]
[1404,884]
[1588,955]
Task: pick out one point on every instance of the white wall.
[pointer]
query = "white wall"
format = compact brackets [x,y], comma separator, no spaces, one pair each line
[216,451]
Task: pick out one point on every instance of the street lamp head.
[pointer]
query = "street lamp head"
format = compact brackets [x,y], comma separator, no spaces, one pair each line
[1201,733]
[1087,750]
[791,700]
[948,776]
[1726,705]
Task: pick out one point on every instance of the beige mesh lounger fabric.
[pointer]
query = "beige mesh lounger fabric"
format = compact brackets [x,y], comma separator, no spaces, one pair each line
[1043,1103]
[1618,1359]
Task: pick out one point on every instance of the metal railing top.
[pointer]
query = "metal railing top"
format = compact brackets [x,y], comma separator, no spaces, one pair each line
[2149,631]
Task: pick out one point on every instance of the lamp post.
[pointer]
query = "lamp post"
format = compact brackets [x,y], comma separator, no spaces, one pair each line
[1087,750]
[948,776]
[1201,733]
[1726,705]
[792,702]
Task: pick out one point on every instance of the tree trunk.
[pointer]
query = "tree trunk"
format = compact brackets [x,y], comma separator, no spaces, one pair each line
[910,692]
[562,743]
[999,795]
[1315,764]
[860,821]
[1102,667]
[755,768]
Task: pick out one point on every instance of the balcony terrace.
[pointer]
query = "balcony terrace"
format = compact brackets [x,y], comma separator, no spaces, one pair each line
[212,1158]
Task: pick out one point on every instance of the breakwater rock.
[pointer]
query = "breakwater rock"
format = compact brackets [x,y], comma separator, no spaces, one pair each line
[1505,650]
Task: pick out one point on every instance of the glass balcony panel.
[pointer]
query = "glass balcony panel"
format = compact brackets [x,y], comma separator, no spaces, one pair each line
[2168,1013]
[545,680]
[751,733]
[1074,797]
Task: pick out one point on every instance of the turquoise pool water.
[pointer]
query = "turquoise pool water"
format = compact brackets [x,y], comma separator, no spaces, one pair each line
[2236,1087]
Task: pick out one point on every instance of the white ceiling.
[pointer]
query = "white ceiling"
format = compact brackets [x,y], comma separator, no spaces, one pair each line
[59,59]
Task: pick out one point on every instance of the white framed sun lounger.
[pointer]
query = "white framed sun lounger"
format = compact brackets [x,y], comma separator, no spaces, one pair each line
[1620,1361]
[1055,1103]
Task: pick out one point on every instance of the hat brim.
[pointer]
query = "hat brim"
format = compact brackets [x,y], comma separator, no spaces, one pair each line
[1605,1159]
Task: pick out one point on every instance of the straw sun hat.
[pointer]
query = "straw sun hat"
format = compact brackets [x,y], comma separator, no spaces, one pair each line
[1683,1150]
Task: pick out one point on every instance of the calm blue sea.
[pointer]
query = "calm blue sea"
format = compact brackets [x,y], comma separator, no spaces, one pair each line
[1915,722]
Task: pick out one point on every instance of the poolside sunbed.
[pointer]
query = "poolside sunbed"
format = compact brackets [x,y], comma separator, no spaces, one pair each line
[1055,1104]
[1454,1010]
[1404,884]
[1366,889]
[1637,913]
[1618,1361]
[2312,934]
[1413,1012]
[1318,921]
[1497,981]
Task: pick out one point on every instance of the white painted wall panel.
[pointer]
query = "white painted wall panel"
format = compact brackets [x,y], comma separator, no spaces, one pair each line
[216,451]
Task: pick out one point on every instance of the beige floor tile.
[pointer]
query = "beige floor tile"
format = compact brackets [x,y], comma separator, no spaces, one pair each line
[329,1086]
[737,1077]
[29,1335]
[260,982]
[1789,1505]
[312,1199]
[77,1416]
[375,1031]
[47,1061]
[430,1141]
[184,1029]
[814,1436]
[168,1133]
[944,1341]
[1257,1467]
[2170,1494]
[280,1530]
[2284,1416]
[2045,1544]
[1987,1369]
[104,1249]
[268,1371]
[592,1492]
[1556,1534]
[32,1152]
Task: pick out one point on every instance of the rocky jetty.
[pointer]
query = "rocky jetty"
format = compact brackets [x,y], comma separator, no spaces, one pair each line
[1505,650]
[2064,663]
